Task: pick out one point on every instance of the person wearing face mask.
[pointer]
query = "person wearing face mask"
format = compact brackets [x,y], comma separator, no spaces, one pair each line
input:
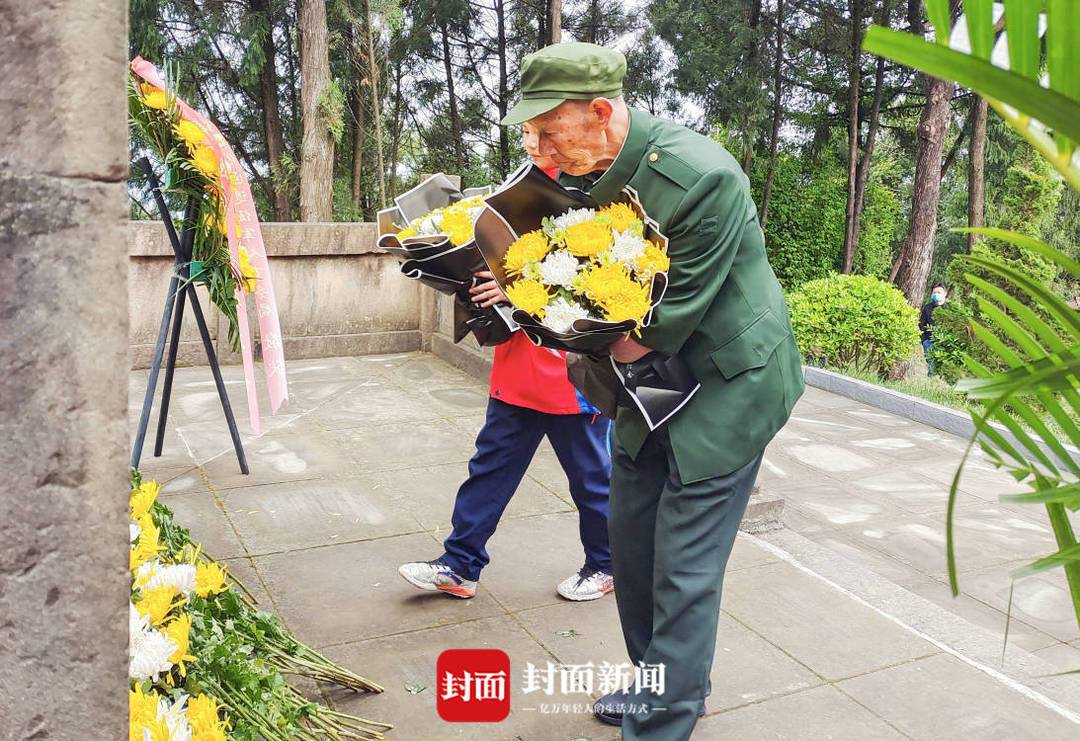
[926,323]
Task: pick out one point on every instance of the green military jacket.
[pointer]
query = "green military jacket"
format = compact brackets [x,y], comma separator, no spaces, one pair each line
[724,312]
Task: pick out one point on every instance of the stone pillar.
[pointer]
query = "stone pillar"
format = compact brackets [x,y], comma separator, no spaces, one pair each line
[63,370]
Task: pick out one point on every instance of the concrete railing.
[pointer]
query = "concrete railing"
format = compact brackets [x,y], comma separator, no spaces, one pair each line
[336,295]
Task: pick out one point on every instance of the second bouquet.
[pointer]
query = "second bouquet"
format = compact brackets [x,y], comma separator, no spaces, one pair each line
[579,275]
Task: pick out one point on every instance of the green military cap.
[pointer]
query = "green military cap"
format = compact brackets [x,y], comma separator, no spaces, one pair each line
[570,71]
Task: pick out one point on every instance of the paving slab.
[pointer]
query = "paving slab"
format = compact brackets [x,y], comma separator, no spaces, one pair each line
[942,697]
[347,592]
[812,715]
[816,625]
[408,660]
[302,514]
[405,444]
[208,524]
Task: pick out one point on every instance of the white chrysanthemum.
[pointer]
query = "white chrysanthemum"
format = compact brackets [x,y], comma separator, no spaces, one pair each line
[560,315]
[559,268]
[176,719]
[430,224]
[148,649]
[628,247]
[574,216]
[179,575]
[133,531]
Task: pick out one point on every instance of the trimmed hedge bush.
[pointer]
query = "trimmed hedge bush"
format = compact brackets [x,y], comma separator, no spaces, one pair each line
[854,321]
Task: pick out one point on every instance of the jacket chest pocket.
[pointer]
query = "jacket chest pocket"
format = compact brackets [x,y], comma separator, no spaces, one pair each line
[751,347]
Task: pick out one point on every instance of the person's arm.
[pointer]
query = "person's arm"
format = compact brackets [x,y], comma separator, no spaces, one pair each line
[925,318]
[709,226]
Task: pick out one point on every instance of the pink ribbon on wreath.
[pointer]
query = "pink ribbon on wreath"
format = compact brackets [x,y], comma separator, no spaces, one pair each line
[243,232]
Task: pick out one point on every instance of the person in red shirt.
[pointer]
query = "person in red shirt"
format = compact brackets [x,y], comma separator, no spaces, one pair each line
[530,397]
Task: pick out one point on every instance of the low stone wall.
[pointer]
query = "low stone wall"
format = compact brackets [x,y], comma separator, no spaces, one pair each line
[336,294]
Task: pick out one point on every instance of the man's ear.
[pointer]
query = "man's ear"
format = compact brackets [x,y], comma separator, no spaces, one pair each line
[602,109]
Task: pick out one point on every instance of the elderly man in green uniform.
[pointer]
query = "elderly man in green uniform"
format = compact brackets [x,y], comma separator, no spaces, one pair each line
[678,493]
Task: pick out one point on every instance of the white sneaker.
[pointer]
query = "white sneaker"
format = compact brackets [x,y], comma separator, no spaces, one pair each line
[434,576]
[586,584]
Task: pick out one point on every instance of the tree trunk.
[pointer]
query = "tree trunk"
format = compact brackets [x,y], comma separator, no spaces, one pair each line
[753,53]
[554,21]
[317,148]
[268,85]
[455,117]
[504,138]
[395,146]
[778,113]
[977,170]
[376,109]
[359,124]
[912,267]
[854,83]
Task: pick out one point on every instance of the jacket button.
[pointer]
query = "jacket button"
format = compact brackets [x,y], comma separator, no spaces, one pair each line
[654,157]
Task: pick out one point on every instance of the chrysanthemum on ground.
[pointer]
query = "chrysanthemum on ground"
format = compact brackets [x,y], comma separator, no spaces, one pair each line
[210,578]
[148,649]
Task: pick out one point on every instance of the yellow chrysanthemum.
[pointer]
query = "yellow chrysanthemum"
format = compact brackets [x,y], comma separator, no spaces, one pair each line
[531,296]
[206,162]
[147,546]
[409,231]
[602,282]
[210,578]
[630,300]
[620,216]
[191,133]
[248,275]
[651,262]
[157,729]
[529,248]
[142,498]
[202,717]
[156,603]
[179,632]
[154,97]
[457,225]
[588,239]
[142,711]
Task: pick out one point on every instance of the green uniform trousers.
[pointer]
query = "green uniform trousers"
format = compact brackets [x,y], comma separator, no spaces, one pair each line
[670,544]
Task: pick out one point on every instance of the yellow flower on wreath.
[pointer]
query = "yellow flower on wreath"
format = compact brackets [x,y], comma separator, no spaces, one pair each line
[202,716]
[529,248]
[178,631]
[191,133]
[652,261]
[158,602]
[153,97]
[210,578]
[206,162]
[142,498]
[588,238]
[531,296]
[248,276]
[620,216]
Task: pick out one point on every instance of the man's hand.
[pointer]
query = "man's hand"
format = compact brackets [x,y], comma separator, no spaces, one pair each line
[627,350]
[487,293]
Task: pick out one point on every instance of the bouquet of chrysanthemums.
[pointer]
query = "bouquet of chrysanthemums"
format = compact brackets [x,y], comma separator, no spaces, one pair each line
[430,231]
[580,276]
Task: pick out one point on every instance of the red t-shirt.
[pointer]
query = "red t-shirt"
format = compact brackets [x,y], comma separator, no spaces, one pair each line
[535,377]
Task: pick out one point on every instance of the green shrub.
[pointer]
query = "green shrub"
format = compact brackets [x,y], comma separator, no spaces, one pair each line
[951,340]
[854,320]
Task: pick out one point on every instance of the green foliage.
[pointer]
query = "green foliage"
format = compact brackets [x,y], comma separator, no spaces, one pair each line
[952,339]
[804,235]
[332,109]
[853,320]
[879,230]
